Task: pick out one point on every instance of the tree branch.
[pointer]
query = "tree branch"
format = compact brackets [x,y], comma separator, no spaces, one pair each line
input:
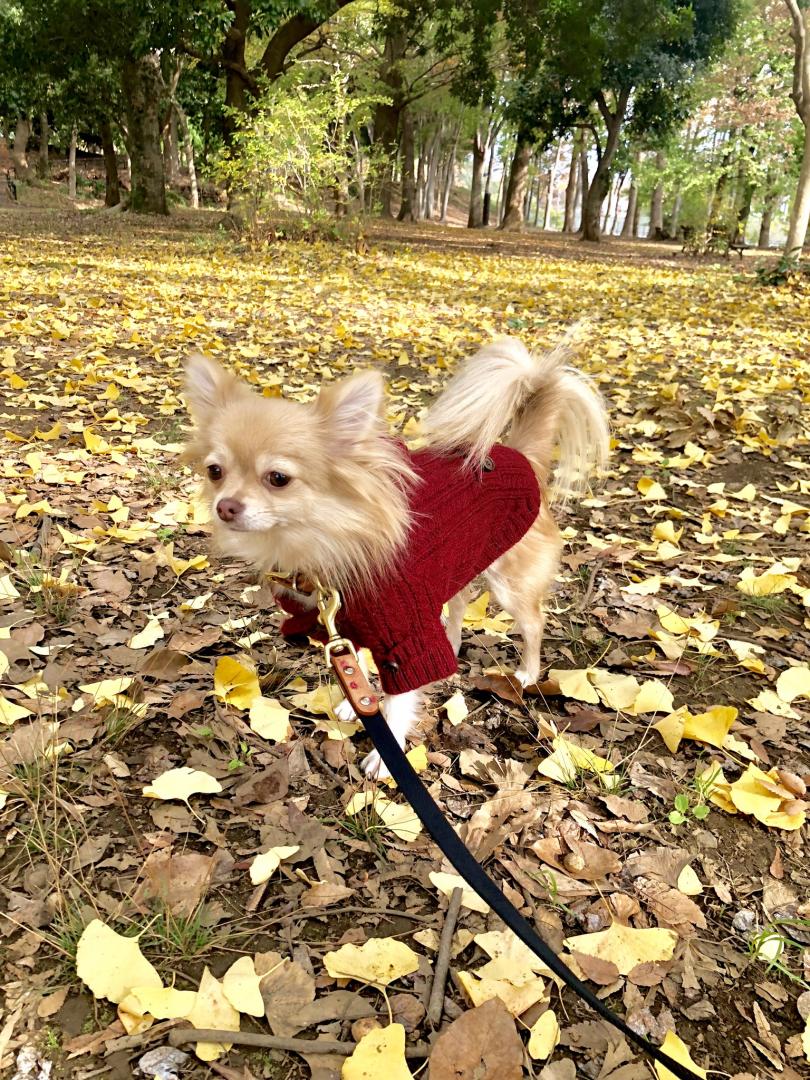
[801,61]
[288,35]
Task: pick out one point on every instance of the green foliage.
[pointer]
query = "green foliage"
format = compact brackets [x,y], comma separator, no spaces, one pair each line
[293,151]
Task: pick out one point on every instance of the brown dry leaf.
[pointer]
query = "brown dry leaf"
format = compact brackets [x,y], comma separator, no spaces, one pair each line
[481,1044]
[286,989]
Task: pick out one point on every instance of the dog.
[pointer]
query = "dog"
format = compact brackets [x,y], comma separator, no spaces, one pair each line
[323,490]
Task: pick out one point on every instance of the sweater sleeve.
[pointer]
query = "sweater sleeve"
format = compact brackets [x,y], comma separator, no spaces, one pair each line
[423,657]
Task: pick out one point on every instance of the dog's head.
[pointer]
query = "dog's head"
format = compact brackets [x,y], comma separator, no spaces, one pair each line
[296,486]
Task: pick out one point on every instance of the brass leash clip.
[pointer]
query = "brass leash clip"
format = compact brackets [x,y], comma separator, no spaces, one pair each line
[342,655]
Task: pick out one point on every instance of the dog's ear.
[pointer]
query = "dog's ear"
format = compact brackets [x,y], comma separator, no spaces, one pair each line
[352,408]
[207,385]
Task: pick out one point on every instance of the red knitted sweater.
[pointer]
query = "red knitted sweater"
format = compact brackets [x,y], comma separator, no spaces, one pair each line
[462,522]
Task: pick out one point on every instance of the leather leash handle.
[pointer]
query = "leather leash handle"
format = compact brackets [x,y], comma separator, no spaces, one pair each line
[355,686]
[476,877]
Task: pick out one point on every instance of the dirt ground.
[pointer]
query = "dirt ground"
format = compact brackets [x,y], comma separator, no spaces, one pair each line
[685,569]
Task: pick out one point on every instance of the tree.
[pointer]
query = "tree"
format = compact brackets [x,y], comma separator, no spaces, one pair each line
[800,212]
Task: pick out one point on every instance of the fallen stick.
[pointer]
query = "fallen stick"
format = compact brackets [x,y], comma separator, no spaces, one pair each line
[182,1036]
[436,1000]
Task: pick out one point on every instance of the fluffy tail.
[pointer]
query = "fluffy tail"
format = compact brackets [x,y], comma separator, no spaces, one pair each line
[539,401]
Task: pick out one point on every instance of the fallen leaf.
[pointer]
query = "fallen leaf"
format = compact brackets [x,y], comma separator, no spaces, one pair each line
[265,865]
[181,784]
[378,962]
[678,1051]
[240,985]
[212,1010]
[544,1035]
[111,964]
[380,1053]
[625,946]
[481,1044]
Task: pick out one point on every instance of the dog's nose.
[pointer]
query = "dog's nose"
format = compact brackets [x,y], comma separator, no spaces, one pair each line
[228,509]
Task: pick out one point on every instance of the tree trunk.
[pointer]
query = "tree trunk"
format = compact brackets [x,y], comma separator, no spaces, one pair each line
[43,164]
[475,216]
[718,195]
[407,209]
[518,179]
[432,174]
[387,116]
[72,164]
[656,227]
[584,185]
[800,210]
[550,193]
[237,88]
[630,213]
[112,191]
[571,189]
[188,150]
[19,151]
[171,148]
[450,175]
[768,204]
[675,221]
[142,85]
[485,213]
[601,178]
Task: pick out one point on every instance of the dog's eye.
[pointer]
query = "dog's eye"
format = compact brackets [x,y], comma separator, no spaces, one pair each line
[214,472]
[277,479]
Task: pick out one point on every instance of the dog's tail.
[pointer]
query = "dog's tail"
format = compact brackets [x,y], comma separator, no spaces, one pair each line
[539,401]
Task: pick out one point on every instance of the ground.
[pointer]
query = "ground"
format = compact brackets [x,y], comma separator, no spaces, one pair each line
[684,588]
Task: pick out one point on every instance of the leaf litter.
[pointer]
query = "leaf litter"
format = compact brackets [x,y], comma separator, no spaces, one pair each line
[158,738]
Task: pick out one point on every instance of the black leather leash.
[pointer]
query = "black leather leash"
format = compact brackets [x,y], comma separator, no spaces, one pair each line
[341,655]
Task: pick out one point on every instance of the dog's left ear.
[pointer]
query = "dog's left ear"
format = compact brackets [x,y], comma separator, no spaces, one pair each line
[352,408]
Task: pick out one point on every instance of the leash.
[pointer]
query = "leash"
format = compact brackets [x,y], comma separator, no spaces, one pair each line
[340,653]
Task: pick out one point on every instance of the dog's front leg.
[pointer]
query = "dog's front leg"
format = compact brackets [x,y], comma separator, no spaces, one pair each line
[401,712]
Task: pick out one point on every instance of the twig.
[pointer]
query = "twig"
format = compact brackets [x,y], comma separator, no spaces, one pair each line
[436,1000]
[182,1036]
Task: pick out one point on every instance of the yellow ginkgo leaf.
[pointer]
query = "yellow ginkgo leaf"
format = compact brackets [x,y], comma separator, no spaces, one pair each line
[181,784]
[456,708]
[508,955]
[625,946]
[616,691]
[688,882]
[769,701]
[794,682]
[212,1010]
[709,727]
[446,883]
[108,689]
[476,611]
[133,1018]
[111,964]
[377,962]
[678,1051]
[240,985]
[316,702]
[380,1053]
[650,489]
[151,633]
[653,696]
[768,584]
[7,589]
[265,865]
[518,993]
[401,820]
[270,720]
[763,796]
[544,1035]
[11,712]
[236,684]
[665,530]
[648,587]
[164,1002]
[575,684]
[568,760]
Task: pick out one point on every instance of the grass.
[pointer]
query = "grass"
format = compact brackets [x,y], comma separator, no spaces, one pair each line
[776,946]
[776,604]
[52,597]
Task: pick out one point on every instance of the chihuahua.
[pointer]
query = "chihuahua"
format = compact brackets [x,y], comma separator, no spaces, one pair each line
[323,490]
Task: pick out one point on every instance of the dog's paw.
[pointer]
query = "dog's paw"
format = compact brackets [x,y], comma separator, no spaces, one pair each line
[344,711]
[525,678]
[374,768]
